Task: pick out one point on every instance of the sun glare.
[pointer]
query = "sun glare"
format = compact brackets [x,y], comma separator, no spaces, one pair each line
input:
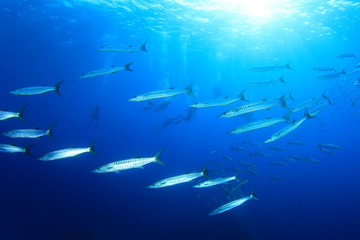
[251,8]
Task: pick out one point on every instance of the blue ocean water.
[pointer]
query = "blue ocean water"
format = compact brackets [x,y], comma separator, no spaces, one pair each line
[214,44]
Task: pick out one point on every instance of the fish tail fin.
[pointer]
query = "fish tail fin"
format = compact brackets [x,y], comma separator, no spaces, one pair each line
[50,130]
[344,72]
[292,97]
[237,178]
[253,196]
[143,46]
[231,147]
[242,96]
[127,66]
[204,171]
[189,90]
[288,66]
[91,147]
[157,157]
[20,113]
[57,87]
[286,117]
[324,95]
[307,114]
[282,79]
[27,150]
[283,102]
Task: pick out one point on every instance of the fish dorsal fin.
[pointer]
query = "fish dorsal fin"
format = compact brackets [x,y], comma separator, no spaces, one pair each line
[226,97]
[138,156]
[4,110]
[112,66]
[264,99]
[37,128]
[268,118]
[171,87]
[187,172]
[130,46]
[43,85]
[12,144]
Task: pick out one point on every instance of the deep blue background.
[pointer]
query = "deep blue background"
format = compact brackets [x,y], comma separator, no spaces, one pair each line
[42,43]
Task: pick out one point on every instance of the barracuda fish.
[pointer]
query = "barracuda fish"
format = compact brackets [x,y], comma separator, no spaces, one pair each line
[299,158]
[277,149]
[236,148]
[246,164]
[163,94]
[324,69]
[67,153]
[10,148]
[239,185]
[137,162]
[306,104]
[327,151]
[271,68]
[219,101]
[227,158]
[216,181]
[291,127]
[4,115]
[329,146]
[187,177]
[332,75]
[268,83]
[112,69]
[233,204]
[318,109]
[252,143]
[38,90]
[346,55]
[268,122]
[276,178]
[130,50]
[252,172]
[31,133]
[296,143]
[255,106]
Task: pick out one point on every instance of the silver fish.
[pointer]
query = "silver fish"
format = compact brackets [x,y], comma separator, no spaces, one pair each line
[9,148]
[233,204]
[31,133]
[332,75]
[112,69]
[268,83]
[268,122]
[255,106]
[216,181]
[187,177]
[346,55]
[329,146]
[38,90]
[67,153]
[130,50]
[291,127]
[137,162]
[219,101]
[4,115]
[163,94]
[271,68]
